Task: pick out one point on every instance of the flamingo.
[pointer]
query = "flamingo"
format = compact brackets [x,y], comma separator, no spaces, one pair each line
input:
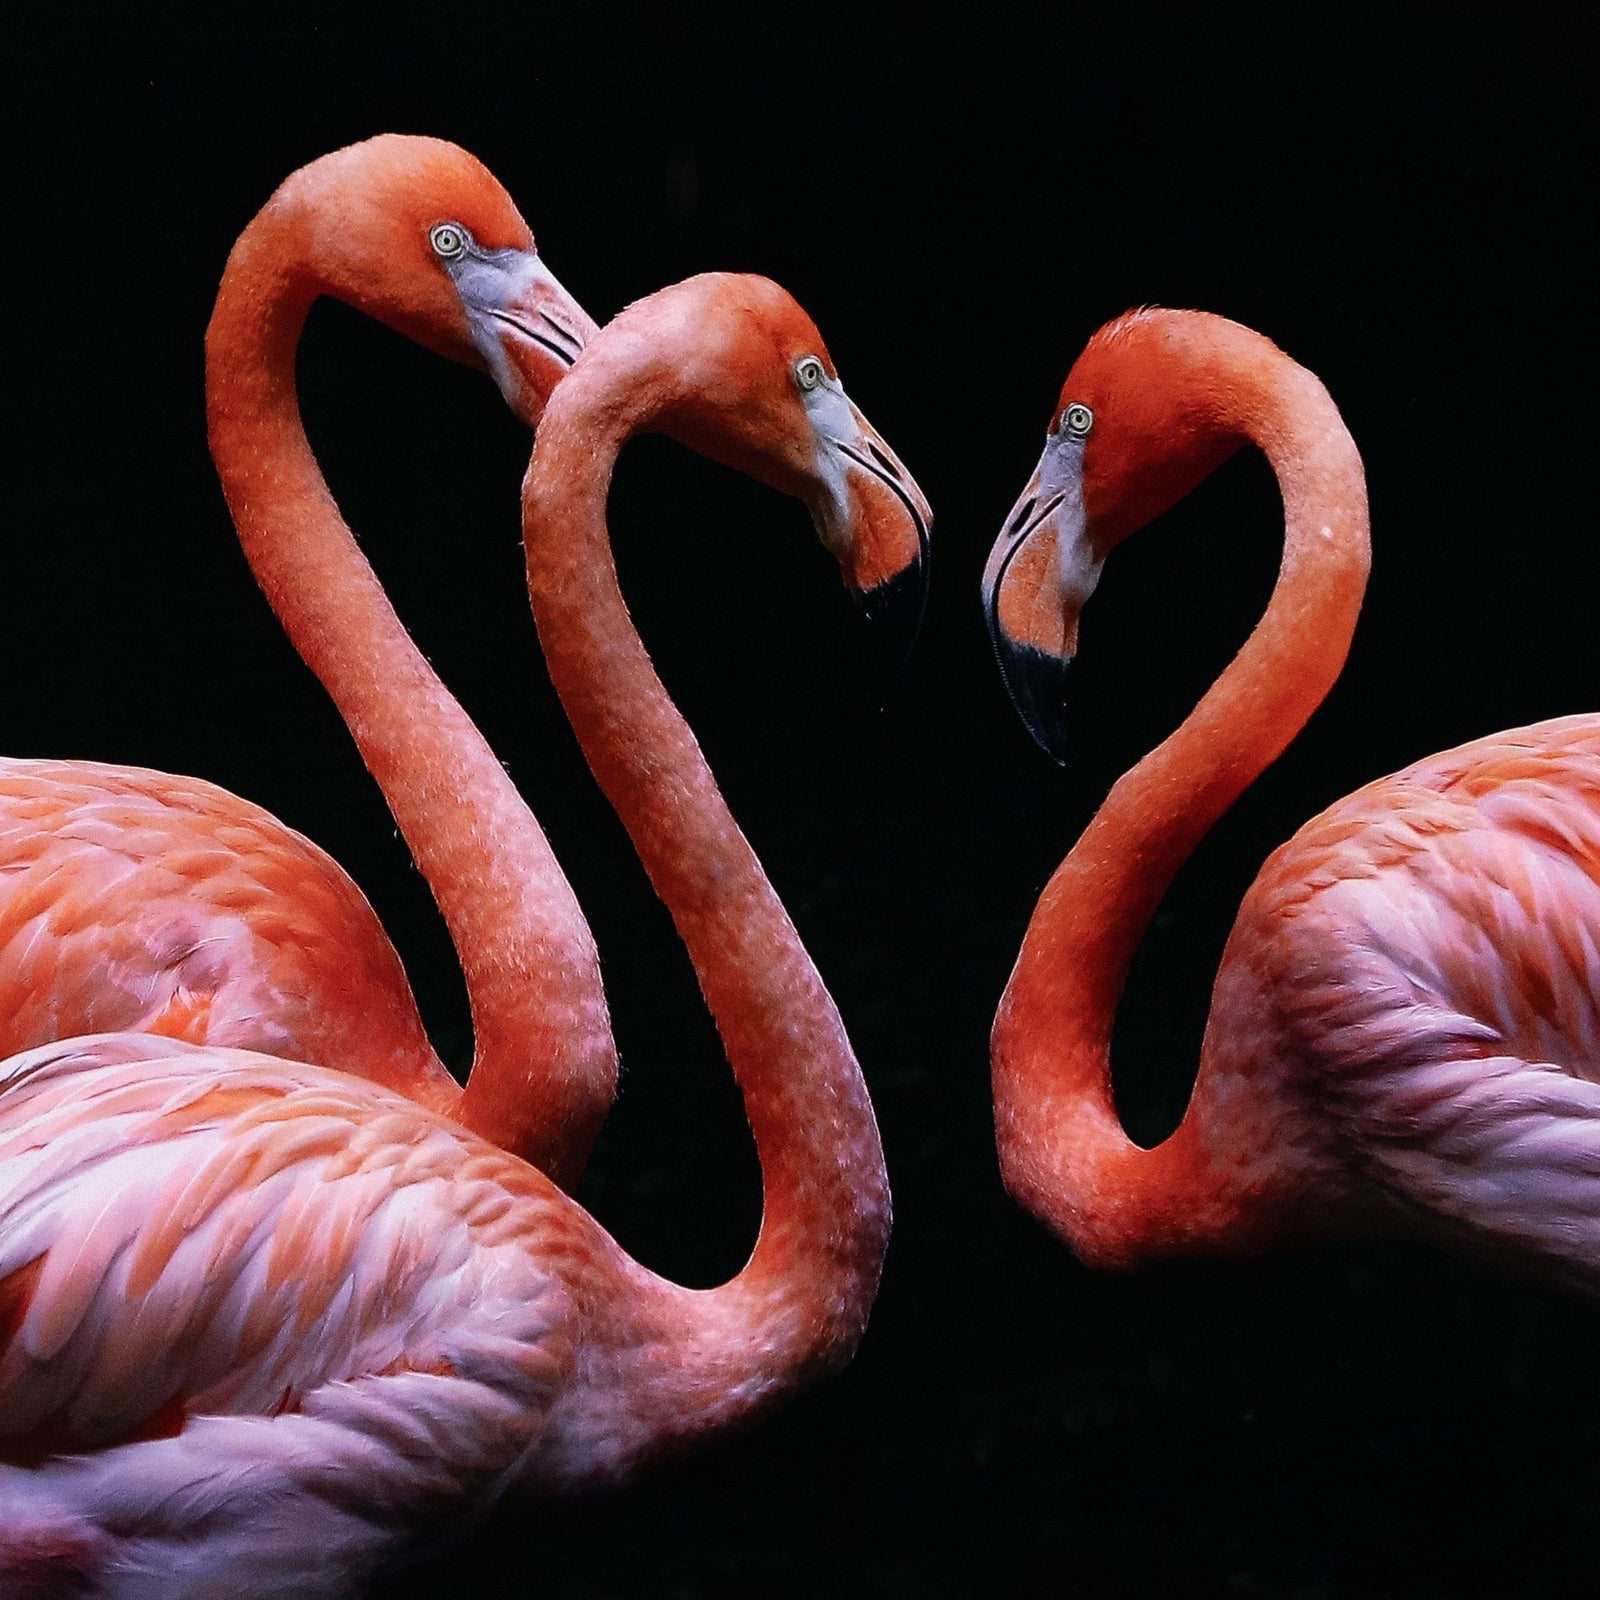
[132,899]
[1402,1037]
[259,1318]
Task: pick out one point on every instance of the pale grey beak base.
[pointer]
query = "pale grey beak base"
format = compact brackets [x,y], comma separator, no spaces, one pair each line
[849,447]
[512,291]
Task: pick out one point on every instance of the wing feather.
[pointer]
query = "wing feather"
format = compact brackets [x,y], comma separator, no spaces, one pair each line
[240,1233]
[1426,957]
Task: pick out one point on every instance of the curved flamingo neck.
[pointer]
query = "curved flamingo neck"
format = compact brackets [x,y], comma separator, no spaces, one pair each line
[1065,1153]
[801,1301]
[544,1068]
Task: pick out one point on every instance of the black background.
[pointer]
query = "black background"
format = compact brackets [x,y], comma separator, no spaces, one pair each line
[1401,198]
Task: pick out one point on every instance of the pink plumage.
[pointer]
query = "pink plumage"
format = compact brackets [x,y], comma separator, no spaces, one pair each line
[1421,963]
[262,1313]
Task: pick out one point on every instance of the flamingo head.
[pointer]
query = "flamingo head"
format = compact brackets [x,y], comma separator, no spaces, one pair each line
[1141,419]
[734,369]
[418,234]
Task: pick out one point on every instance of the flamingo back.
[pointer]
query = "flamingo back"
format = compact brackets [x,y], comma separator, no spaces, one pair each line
[1417,973]
[135,900]
[230,1283]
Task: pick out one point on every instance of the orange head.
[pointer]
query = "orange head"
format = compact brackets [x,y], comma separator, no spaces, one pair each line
[729,365]
[1146,413]
[418,234]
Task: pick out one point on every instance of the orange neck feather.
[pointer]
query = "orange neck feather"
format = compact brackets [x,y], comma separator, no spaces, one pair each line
[545,1067]
[801,1301]
[1065,1154]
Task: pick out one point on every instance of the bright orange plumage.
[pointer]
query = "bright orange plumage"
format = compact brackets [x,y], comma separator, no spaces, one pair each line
[138,900]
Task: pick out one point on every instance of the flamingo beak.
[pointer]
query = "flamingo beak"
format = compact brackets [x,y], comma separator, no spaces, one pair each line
[870,513]
[1039,574]
[527,328]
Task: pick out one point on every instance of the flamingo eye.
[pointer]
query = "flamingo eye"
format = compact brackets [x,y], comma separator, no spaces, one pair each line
[1076,420]
[808,372]
[448,240]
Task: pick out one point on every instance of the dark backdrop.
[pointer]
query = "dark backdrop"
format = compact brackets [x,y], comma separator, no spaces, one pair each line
[1402,198]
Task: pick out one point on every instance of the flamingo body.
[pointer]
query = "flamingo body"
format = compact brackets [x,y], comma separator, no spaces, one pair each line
[1413,986]
[245,1297]
[1404,1034]
[136,900]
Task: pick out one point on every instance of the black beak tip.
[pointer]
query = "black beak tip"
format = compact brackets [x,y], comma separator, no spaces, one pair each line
[1037,685]
[895,609]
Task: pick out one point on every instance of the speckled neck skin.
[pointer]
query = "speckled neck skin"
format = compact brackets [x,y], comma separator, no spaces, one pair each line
[544,1070]
[1063,1149]
[799,1305]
